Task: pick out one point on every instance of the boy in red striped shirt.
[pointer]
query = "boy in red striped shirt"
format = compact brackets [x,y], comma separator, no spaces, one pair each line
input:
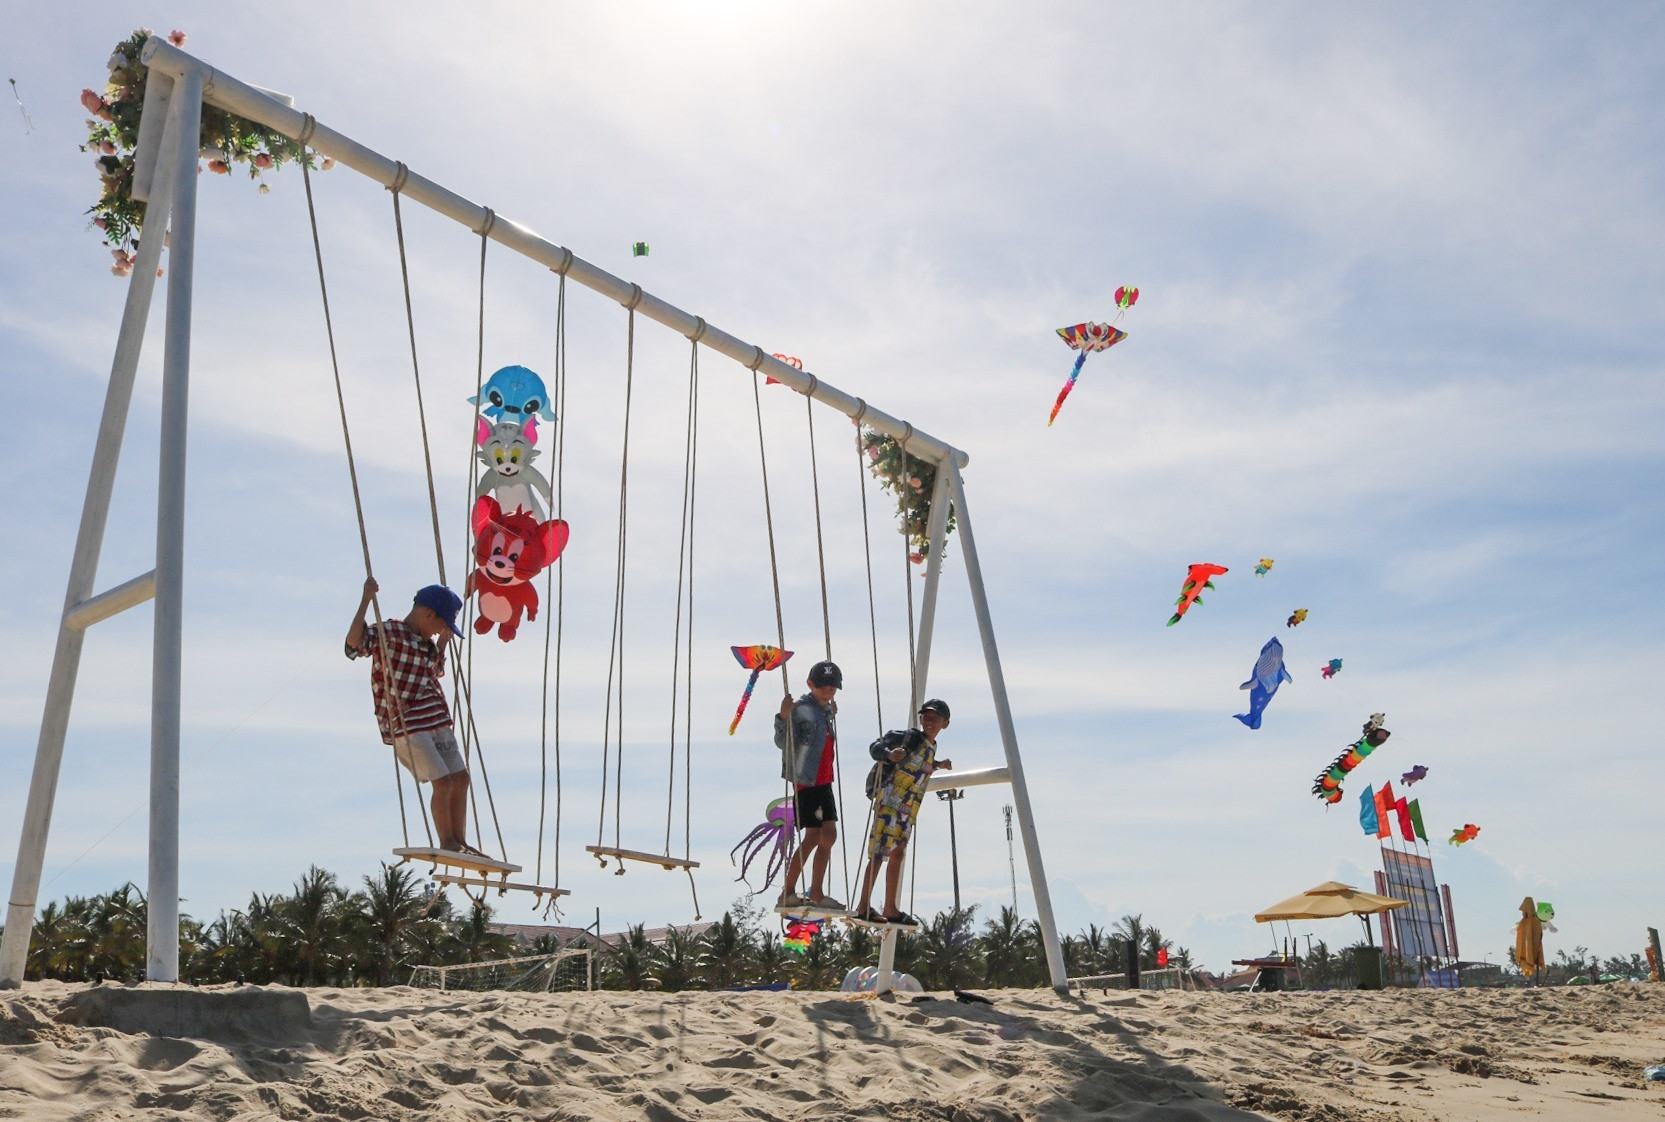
[408,686]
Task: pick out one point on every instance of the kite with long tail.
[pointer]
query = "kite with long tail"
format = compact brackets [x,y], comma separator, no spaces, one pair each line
[1086,338]
[756,659]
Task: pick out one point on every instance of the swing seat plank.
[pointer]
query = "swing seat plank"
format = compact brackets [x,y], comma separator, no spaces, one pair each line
[659,859]
[807,912]
[500,885]
[456,860]
[885,926]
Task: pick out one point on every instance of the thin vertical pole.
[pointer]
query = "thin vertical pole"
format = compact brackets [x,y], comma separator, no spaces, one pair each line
[162,935]
[83,569]
[1008,735]
[936,531]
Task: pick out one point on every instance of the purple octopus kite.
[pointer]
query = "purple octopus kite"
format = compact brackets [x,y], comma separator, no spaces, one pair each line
[775,834]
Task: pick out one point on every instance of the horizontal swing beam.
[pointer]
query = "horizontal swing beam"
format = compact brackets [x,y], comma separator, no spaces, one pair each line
[970,777]
[248,101]
[664,861]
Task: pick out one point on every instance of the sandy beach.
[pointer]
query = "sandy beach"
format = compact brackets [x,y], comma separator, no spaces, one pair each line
[78,1052]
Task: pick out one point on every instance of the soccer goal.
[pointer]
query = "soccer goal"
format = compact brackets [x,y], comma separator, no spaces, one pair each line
[563,971]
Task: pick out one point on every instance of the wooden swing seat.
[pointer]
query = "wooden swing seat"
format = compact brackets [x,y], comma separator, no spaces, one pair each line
[539,890]
[808,912]
[433,856]
[886,926]
[621,855]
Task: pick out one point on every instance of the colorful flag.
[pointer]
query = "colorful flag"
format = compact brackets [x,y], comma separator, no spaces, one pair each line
[1403,813]
[1367,811]
[1384,811]
[1416,820]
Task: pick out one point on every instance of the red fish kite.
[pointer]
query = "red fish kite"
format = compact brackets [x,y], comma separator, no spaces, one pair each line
[1196,579]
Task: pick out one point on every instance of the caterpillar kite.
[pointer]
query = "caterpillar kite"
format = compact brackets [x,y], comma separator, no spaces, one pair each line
[1328,784]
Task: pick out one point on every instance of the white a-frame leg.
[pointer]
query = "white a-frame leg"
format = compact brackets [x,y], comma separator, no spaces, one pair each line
[167,175]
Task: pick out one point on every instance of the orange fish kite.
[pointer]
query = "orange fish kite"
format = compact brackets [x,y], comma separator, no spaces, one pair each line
[1197,578]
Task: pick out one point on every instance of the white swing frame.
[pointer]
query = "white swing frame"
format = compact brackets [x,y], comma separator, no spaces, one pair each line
[165,178]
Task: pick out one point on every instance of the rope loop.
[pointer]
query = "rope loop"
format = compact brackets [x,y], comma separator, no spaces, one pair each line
[309,125]
[861,410]
[401,176]
[757,361]
[907,436]
[488,224]
[699,329]
[636,295]
[566,262]
[813,382]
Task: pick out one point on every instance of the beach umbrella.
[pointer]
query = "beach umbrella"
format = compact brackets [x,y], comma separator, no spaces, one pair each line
[1330,900]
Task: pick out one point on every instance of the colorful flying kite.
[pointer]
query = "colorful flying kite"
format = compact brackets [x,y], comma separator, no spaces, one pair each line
[1467,834]
[1546,914]
[1416,775]
[774,834]
[639,249]
[756,659]
[1126,297]
[1264,567]
[1196,579]
[1332,668]
[1086,338]
[1328,784]
[513,393]
[1296,618]
[800,933]
[1264,681]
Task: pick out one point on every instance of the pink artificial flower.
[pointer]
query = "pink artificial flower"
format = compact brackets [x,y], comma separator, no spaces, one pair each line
[101,224]
[329,162]
[873,452]
[176,37]
[122,262]
[91,102]
[916,558]
[107,148]
[263,162]
[219,167]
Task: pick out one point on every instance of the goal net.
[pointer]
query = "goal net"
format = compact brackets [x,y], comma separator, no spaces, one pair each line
[539,973]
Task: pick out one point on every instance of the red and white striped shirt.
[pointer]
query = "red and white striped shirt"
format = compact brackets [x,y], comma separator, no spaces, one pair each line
[416,702]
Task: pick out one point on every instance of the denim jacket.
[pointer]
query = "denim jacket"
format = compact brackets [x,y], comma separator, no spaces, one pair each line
[800,757]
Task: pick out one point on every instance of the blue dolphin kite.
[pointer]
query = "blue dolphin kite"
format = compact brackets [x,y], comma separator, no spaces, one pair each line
[1268,675]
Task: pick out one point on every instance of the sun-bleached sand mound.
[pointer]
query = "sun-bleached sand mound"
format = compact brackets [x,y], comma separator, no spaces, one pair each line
[79,1052]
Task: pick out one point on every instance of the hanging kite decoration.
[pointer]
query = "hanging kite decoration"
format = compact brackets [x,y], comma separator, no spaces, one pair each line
[639,249]
[513,393]
[793,361]
[1197,578]
[1264,567]
[800,933]
[773,836]
[506,452]
[509,550]
[1331,668]
[1086,338]
[757,659]
[1416,775]
[1546,911]
[1328,784]
[1296,618]
[1467,833]
[1264,680]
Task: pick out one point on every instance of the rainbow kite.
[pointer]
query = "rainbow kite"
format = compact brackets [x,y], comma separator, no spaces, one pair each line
[1086,338]
[756,659]
[1328,784]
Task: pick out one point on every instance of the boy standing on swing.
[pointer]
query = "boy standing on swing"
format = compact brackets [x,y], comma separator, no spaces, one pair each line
[806,734]
[408,687]
[905,762]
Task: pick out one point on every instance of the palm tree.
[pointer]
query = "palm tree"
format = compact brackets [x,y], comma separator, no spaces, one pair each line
[821,966]
[724,954]
[1003,948]
[628,960]
[771,960]
[675,962]
[312,922]
[946,955]
[392,906]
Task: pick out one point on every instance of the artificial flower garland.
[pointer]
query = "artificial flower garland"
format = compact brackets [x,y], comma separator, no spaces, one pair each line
[913,481]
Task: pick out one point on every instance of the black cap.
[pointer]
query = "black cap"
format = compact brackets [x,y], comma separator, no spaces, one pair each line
[826,674]
[937,706]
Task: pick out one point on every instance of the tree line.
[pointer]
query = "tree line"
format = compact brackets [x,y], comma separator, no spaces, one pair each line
[325,933]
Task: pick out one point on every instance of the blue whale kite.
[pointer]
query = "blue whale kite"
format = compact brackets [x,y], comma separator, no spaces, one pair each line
[1268,675]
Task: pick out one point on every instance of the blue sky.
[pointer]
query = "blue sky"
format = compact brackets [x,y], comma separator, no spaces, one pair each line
[1401,270]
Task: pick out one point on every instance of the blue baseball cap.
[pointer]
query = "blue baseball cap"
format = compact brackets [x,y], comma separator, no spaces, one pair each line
[443,603]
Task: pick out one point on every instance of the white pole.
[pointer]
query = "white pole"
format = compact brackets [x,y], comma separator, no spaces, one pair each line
[83,569]
[162,940]
[886,980]
[244,100]
[1008,736]
[935,532]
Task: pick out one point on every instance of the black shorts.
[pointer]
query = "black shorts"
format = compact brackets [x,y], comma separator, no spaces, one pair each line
[816,806]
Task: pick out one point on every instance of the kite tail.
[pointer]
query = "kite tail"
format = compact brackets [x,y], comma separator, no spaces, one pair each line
[1075,372]
[744,699]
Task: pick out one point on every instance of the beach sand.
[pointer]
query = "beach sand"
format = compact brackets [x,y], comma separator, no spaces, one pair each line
[80,1052]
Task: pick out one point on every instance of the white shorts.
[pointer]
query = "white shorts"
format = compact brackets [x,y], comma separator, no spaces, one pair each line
[430,755]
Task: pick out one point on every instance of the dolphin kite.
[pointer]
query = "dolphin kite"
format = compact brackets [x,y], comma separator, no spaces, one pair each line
[1264,680]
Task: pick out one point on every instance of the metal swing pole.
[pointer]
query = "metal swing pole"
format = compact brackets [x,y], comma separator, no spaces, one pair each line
[1008,736]
[82,609]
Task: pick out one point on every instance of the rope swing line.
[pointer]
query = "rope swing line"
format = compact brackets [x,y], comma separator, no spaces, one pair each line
[682,665]
[554,626]
[416,370]
[615,643]
[358,502]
